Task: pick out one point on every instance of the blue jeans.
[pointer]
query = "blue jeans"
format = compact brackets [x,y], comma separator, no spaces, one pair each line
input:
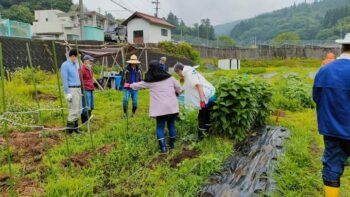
[130,93]
[161,121]
[89,104]
[334,159]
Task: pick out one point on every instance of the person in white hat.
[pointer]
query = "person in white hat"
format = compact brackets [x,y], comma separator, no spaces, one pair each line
[331,92]
[132,74]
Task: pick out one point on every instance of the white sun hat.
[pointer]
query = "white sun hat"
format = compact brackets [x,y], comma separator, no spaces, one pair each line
[346,40]
[133,60]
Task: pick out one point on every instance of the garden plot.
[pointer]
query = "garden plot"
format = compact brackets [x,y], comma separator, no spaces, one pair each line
[249,172]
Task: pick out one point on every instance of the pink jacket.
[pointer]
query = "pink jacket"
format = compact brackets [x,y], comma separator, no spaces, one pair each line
[163,98]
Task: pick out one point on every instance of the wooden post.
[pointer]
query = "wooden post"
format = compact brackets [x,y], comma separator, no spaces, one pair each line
[146,54]
[4,109]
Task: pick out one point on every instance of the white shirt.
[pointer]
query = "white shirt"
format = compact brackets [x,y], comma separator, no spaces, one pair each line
[193,78]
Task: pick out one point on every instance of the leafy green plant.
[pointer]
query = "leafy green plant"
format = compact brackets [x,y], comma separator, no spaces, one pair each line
[242,104]
[297,95]
[181,50]
[25,74]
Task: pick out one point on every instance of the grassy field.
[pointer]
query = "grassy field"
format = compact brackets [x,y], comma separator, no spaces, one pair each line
[123,159]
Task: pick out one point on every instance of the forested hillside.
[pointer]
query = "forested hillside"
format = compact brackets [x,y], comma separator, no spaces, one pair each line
[327,19]
[23,10]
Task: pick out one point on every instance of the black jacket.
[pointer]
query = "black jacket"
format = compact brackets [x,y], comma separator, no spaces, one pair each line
[127,75]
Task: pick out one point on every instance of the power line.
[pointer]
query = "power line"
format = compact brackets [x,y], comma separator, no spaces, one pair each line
[122,6]
[156,2]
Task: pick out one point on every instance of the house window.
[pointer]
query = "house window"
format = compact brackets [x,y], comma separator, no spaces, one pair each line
[164,32]
[138,34]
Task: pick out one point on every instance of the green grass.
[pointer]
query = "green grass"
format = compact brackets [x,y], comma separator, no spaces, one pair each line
[125,170]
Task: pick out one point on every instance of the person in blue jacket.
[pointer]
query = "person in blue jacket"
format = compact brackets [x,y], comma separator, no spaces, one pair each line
[331,92]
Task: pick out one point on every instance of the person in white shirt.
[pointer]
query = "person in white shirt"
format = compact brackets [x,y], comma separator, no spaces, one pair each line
[198,94]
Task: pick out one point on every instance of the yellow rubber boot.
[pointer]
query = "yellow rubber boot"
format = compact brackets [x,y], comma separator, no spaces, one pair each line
[332,191]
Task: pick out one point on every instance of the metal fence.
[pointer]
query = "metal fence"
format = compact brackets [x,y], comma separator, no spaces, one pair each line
[197,41]
[10,28]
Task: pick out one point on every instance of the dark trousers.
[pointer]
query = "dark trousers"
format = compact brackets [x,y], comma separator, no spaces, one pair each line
[204,123]
[336,152]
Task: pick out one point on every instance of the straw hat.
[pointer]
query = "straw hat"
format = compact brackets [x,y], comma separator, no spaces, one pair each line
[133,60]
[346,40]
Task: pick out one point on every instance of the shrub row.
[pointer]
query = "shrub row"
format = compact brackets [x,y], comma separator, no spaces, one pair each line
[242,104]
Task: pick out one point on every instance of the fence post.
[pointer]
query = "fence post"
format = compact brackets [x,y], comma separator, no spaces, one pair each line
[61,102]
[4,107]
[38,103]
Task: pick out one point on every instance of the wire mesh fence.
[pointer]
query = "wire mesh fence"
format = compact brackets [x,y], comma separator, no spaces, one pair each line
[197,41]
[10,28]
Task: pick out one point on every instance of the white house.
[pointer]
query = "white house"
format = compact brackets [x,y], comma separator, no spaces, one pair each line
[55,24]
[144,28]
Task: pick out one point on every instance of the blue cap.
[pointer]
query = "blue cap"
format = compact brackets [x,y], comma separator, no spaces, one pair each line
[88,57]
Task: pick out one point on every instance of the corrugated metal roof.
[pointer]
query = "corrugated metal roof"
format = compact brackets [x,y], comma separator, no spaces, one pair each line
[149,18]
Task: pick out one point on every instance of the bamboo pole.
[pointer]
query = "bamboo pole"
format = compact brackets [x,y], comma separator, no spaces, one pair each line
[85,98]
[61,103]
[38,103]
[4,106]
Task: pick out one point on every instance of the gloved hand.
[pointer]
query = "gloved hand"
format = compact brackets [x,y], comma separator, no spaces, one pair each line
[202,105]
[69,97]
[127,85]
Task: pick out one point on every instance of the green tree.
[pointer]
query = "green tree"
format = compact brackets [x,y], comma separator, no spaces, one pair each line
[206,30]
[19,13]
[286,37]
[227,41]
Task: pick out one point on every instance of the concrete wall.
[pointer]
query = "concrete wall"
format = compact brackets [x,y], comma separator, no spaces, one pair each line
[156,34]
[151,33]
[264,53]
[138,25]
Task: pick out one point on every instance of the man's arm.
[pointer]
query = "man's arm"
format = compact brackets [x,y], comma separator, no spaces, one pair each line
[64,75]
[200,91]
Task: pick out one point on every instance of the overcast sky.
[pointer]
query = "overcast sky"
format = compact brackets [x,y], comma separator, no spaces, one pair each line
[191,11]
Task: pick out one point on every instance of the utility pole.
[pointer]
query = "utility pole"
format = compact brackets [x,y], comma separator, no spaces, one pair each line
[156,2]
[81,16]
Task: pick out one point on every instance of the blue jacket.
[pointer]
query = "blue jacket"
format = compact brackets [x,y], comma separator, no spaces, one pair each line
[70,75]
[331,92]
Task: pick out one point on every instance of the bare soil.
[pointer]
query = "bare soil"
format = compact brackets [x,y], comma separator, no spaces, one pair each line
[186,154]
[82,159]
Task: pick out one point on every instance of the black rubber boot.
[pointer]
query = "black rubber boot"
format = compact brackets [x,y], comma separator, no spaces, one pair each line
[172,142]
[201,134]
[125,109]
[76,129]
[134,111]
[162,146]
[70,127]
[84,118]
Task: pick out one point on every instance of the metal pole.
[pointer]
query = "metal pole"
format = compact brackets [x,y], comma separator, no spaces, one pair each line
[146,54]
[4,108]
[81,16]
[85,98]
[38,103]
[61,102]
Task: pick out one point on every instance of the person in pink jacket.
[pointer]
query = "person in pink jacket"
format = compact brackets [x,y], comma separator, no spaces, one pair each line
[164,106]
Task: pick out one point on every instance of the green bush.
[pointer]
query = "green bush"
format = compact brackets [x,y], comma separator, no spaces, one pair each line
[180,50]
[25,74]
[297,93]
[242,104]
